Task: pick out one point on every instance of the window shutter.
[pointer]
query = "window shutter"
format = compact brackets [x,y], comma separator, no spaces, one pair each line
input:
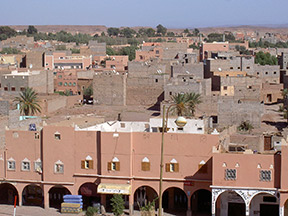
[109,166]
[145,166]
[117,166]
[167,167]
[90,164]
[176,165]
[82,164]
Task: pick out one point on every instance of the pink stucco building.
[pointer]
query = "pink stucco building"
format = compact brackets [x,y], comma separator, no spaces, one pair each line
[41,166]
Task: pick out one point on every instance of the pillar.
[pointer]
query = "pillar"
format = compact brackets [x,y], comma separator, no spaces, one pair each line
[46,189]
[131,204]
[189,212]
[247,208]
[19,199]
[103,200]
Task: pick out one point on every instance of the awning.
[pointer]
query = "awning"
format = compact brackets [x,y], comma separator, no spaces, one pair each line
[114,189]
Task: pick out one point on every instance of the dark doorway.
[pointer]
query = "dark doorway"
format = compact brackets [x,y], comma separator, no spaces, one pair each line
[32,195]
[7,194]
[201,202]
[236,209]
[269,210]
[56,196]
[89,194]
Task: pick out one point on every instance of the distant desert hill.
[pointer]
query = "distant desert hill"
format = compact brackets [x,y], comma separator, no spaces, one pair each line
[97,29]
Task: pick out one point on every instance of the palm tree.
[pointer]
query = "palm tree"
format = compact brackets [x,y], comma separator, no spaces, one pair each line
[193,100]
[186,103]
[28,102]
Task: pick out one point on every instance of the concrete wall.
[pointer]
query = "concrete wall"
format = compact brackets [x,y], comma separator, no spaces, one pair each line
[145,90]
[4,108]
[268,73]
[195,70]
[233,112]
[110,89]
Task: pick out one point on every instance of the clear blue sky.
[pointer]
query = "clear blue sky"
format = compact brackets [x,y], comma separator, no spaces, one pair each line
[170,13]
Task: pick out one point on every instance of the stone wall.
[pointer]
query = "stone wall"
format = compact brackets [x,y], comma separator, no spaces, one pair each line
[233,112]
[4,108]
[42,82]
[268,73]
[145,90]
[194,70]
[110,89]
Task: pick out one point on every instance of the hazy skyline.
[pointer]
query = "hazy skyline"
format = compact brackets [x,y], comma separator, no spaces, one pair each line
[172,14]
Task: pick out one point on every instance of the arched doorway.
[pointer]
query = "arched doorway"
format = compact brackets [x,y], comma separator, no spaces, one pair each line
[174,200]
[201,202]
[32,195]
[143,195]
[56,194]
[89,194]
[8,193]
[230,203]
[264,203]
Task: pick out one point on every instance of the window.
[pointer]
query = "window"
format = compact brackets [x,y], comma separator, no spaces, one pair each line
[60,76]
[248,67]
[65,84]
[266,73]
[224,87]
[57,136]
[25,165]
[157,51]
[36,136]
[22,89]
[38,166]
[230,174]
[60,83]
[59,167]
[173,166]
[275,72]
[87,163]
[114,165]
[122,125]
[11,165]
[265,175]
[156,80]
[13,88]
[5,88]
[238,67]
[231,68]
[145,164]
[74,84]
[257,73]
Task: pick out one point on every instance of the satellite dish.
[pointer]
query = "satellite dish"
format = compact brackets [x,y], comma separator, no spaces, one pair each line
[219,69]
[30,66]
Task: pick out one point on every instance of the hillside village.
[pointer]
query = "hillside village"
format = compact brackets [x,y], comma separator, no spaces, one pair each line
[102,104]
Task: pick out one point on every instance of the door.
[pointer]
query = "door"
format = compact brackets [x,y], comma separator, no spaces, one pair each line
[236,209]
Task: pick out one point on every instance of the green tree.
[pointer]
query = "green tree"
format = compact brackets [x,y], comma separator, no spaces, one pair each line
[28,101]
[88,91]
[60,47]
[127,32]
[193,100]
[73,50]
[285,93]
[285,113]
[170,34]
[110,51]
[32,30]
[130,51]
[10,50]
[113,31]
[186,31]
[196,32]
[185,103]
[245,126]
[161,30]
[117,204]
[6,32]
[265,59]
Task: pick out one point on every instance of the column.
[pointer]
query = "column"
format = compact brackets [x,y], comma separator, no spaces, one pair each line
[247,208]
[131,204]
[19,199]
[46,195]
[189,212]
